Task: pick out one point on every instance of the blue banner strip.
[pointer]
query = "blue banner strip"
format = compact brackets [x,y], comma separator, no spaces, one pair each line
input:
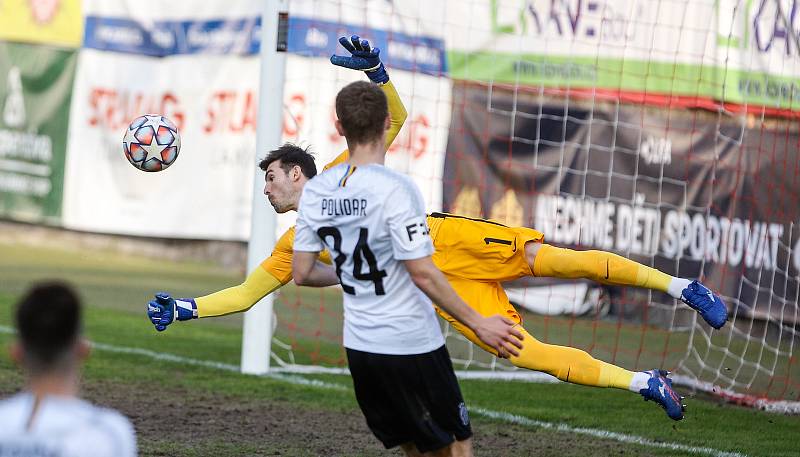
[307,37]
[166,38]
[312,37]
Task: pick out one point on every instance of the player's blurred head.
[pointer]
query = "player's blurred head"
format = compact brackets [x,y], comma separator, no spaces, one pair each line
[362,112]
[48,319]
[287,170]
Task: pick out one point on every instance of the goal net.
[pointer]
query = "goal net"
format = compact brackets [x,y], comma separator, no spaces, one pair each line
[662,130]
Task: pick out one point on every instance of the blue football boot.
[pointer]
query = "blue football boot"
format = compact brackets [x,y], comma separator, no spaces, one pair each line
[659,389]
[705,302]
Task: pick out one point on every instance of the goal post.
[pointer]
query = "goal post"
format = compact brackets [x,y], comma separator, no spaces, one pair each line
[257,330]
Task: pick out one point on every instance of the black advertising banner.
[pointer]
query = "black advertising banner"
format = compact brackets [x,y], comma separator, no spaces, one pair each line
[692,193]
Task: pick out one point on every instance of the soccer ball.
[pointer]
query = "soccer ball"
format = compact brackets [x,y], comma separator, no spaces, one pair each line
[151,142]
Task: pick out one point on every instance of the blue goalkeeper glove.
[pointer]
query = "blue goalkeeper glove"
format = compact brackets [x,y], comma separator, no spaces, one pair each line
[165,310]
[363,58]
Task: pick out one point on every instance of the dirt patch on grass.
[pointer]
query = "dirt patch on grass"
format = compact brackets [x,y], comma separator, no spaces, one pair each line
[173,422]
[170,427]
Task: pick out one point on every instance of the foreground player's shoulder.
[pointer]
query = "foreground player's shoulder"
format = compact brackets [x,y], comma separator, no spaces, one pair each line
[12,411]
[114,424]
[331,176]
[110,432]
[390,179]
[113,436]
[323,182]
[401,185]
[400,192]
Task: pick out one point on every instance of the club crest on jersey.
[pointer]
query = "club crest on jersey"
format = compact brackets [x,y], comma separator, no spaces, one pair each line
[343,207]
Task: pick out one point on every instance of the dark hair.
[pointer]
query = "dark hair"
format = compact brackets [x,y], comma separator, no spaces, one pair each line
[362,109]
[48,319]
[290,155]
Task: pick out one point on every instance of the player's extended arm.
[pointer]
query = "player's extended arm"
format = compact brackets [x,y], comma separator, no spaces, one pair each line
[258,284]
[308,271]
[397,112]
[164,309]
[274,272]
[496,331]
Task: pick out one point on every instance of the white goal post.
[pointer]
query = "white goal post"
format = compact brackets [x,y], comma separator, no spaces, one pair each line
[257,332]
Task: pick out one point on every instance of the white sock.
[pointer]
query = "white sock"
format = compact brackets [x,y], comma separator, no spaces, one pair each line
[639,381]
[676,286]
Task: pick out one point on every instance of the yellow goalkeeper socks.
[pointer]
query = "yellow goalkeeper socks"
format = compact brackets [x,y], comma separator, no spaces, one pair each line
[571,365]
[603,267]
[614,376]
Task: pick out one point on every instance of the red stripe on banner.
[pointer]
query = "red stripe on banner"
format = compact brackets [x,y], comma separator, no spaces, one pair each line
[649,99]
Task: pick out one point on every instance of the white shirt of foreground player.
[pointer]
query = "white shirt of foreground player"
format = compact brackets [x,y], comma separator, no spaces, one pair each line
[63,427]
[385,211]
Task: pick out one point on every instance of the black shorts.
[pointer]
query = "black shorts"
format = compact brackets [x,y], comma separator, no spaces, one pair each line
[410,398]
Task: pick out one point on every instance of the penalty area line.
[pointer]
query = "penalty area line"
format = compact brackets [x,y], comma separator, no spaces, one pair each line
[496,415]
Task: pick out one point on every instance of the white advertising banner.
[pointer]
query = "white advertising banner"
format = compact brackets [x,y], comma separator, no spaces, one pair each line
[201,71]
[206,192]
[196,64]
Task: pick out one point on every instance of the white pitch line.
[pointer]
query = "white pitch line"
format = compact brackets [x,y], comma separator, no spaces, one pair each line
[597,433]
[498,415]
[203,363]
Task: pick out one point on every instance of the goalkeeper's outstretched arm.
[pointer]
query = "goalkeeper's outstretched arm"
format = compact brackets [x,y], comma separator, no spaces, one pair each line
[164,309]
[273,273]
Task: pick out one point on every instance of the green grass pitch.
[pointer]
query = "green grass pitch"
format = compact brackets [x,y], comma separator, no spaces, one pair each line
[180,409]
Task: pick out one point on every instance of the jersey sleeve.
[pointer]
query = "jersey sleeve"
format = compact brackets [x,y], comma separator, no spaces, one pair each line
[305,239]
[407,223]
[398,115]
[397,112]
[279,263]
[274,272]
[258,284]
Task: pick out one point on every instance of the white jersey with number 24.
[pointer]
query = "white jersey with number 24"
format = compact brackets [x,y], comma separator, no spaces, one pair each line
[371,218]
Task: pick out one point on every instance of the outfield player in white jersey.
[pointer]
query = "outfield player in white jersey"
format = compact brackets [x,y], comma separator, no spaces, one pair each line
[47,419]
[373,222]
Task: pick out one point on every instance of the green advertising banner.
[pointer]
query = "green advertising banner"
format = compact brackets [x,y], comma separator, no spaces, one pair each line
[35,93]
[693,54]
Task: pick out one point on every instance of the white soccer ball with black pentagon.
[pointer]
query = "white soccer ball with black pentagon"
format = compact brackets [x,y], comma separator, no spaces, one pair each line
[151,142]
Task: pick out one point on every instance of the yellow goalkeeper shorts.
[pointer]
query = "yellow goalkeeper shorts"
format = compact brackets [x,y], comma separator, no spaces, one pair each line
[478,249]
[487,298]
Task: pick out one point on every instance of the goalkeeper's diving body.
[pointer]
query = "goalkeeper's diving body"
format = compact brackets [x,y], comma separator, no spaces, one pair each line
[475,255]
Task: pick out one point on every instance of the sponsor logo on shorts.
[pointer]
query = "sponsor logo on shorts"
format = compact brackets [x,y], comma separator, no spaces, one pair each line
[463,414]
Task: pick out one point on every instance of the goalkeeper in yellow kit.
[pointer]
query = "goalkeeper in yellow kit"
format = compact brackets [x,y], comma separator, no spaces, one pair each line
[475,255]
